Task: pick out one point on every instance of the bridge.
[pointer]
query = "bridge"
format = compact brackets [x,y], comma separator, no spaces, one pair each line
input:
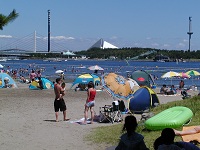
[143,54]
[29,44]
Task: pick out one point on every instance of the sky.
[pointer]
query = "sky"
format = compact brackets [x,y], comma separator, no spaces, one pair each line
[77,24]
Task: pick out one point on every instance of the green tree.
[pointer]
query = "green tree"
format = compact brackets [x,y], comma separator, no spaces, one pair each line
[4,20]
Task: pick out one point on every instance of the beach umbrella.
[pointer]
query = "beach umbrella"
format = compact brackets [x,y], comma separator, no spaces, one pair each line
[184,75]
[170,74]
[193,73]
[59,71]
[117,86]
[96,67]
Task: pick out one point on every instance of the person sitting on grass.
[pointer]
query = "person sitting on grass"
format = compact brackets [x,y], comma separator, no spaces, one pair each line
[131,139]
[166,142]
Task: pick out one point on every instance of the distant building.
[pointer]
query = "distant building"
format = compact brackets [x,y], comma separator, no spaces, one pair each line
[68,53]
[162,58]
[112,57]
[102,45]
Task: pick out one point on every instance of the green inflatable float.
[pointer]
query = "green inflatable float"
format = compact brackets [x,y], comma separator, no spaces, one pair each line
[170,118]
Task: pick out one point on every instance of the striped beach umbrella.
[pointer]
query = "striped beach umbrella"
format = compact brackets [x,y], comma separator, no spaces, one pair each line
[184,75]
[170,74]
[193,73]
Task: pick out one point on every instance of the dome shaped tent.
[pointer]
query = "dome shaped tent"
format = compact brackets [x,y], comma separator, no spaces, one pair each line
[142,78]
[143,99]
[7,81]
[86,78]
[46,83]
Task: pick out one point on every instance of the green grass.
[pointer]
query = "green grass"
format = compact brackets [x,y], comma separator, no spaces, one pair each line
[109,135]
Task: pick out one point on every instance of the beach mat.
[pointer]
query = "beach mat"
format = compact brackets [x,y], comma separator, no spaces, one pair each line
[191,137]
[80,121]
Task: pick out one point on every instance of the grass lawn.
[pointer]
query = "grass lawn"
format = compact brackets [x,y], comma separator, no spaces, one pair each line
[109,135]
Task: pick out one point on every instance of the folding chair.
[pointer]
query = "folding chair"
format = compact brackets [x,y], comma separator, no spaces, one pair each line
[105,114]
[116,115]
[110,113]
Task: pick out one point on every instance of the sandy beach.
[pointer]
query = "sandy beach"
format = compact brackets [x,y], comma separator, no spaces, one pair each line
[27,119]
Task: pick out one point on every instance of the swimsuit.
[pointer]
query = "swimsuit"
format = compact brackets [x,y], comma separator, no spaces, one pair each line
[59,105]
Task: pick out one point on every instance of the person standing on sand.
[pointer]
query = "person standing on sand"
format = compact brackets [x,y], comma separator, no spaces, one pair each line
[32,75]
[59,103]
[91,93]
[39,74]
[181,84]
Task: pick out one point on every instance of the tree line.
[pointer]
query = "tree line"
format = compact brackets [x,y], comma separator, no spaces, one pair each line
[130,53]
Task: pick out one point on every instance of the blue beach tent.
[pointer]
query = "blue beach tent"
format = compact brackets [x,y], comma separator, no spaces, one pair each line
[86,78]
[47,84]
[11,82]
[143,99]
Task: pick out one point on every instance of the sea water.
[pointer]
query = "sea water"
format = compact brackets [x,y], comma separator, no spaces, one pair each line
[73,68]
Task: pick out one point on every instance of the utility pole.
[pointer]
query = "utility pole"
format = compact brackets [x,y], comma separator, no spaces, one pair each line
[49,49]
[190,30]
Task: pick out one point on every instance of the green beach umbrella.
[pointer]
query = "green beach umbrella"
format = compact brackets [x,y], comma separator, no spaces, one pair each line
[193,73]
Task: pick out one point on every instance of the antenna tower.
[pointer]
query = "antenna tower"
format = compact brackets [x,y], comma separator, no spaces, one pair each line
[49,31]
[190,30]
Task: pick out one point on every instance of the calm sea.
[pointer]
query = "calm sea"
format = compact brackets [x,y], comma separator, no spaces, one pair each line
[73,68]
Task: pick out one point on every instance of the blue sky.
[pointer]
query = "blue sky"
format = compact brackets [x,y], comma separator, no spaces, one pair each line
[78,24]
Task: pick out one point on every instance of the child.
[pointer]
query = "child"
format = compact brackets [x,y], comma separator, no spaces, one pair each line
[62,92]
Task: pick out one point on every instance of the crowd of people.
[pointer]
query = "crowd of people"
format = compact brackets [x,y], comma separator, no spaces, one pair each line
[172,90]
[166,91]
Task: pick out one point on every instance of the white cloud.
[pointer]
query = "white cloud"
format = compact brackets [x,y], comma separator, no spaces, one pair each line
[166,45]
[185,40]
[181,44]
[60,38]
[155,44]
[5,36]
[114,37]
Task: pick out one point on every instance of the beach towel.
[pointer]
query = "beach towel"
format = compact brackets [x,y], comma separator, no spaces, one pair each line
[191,137]
[80,121]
